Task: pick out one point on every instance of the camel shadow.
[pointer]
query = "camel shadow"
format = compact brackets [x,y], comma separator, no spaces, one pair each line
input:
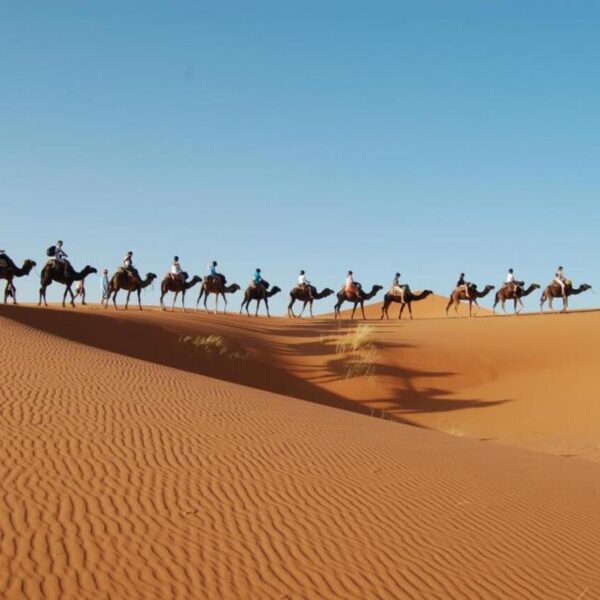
[160,343]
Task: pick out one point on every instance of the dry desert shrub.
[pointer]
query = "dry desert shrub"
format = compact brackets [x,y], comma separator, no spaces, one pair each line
[213,346]
[359,349]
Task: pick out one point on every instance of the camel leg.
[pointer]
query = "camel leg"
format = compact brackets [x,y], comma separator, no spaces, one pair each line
[174,300]
[565,304]
[225,302]
[267,306]
[43,296]
[199,296]
[304,308]
[127,300]
[448,306]
[183,300]
[205,301]
[353,311]
[114,299]
[520,302]
[139,295]
[162,304]
[257,305]
[217,303]
[290,309]
[336,310]
[362,310]
[310,306]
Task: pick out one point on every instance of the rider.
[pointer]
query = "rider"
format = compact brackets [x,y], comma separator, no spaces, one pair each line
[176,272]
[304,284]
[464,285]
[351,286]
[398,289]
[60,257]
[128,265]
[511,282]
[257,278]
[212,270]
[561,280]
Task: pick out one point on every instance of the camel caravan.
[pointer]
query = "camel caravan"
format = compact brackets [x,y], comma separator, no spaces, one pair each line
[58,269]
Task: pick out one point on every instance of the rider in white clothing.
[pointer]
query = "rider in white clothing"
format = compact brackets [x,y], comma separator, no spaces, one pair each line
[510,280]
[175,268]
[398,289]
[561,280]
[303,283]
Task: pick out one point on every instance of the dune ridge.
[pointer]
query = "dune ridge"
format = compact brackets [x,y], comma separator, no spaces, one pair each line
[122,478]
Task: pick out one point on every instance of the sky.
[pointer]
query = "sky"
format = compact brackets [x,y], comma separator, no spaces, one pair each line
[427,137]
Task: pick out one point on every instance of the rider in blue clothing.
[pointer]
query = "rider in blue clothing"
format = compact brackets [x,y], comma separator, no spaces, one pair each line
[257,278]
[212,269]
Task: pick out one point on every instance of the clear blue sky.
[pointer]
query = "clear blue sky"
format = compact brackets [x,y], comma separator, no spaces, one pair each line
[424,137]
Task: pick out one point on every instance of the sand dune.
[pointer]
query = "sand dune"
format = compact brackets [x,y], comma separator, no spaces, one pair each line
[526,381]
[127,473]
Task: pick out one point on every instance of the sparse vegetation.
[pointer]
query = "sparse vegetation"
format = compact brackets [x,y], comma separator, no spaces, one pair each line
[359,349]
[213,346]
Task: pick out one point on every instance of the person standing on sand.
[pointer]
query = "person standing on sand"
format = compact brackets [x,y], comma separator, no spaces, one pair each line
[104,286]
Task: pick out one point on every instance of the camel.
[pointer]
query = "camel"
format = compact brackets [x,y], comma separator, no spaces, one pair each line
[10,271]
[122,280]
[177,285]
[212,285]
[258,293]
[459,294]
[506,292]
[301,294]
[50,273]
[553,291]
[357,298]
[409,298]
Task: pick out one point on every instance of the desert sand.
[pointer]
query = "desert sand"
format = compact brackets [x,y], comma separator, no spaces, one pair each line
[142,458]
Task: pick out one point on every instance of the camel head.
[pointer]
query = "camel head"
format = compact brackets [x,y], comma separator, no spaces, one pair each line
[427,293]
[195,278]
[489,288]
[327,292]
[233,288]
[274,290]
[584,287]
[88,270]
[28,264]
[151,276]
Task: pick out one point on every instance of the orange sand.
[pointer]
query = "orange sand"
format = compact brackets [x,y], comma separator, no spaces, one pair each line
[128,472]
